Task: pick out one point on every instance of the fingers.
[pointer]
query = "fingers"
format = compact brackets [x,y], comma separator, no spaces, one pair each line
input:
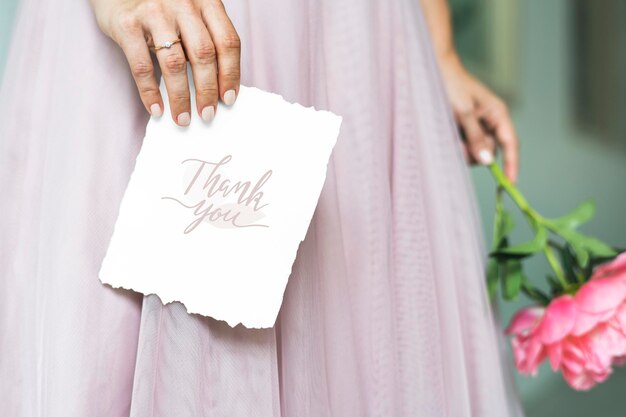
[479,145]
[228,48]
[173,63]
[201,53]
[207,38]
[497,117]
[131,40]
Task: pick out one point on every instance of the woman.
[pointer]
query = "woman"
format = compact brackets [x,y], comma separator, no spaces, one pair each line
[385,313]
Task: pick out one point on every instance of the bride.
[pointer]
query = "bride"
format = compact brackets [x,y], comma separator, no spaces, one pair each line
[385,313]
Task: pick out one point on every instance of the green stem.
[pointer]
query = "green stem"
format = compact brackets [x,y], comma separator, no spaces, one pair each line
[577,274]
[499,207]
[556,267]
[531,215]
[504,182]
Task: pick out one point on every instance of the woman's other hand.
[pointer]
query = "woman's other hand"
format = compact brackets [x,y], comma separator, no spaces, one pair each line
[208,40]
[482,116]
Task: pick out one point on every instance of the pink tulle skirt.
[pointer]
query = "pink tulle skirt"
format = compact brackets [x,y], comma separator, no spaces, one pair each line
[385,313]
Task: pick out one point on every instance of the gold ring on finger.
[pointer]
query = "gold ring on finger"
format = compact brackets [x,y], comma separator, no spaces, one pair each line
[167,44]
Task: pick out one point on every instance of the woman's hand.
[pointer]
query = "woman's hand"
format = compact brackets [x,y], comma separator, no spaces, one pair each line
[208,40]
[482,116]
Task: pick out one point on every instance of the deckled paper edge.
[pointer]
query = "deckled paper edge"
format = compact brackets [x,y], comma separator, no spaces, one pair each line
[338,120]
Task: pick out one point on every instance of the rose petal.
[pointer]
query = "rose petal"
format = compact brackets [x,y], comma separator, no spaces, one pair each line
[612,340]
[601,295]
[585,322]
[620,317]
[573,348]
[558,320]
[555,354]
[619,361]
[580,381]
[615,267]
[597,350]
[601,376]
[585,379]
[528,353]
[525,320]
[536,354]
[572,364]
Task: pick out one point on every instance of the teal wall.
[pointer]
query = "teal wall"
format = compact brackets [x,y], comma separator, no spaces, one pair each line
[7,13]
[560,167]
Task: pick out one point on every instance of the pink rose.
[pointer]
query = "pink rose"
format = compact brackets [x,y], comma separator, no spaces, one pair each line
[582,335]
[528,351]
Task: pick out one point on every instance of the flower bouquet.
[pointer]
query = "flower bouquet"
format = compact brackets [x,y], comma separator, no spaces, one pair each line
[579,326]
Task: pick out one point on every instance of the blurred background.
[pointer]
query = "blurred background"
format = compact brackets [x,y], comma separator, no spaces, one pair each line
[560,64]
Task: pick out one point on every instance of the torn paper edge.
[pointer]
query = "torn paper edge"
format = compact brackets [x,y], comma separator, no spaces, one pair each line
[148,290]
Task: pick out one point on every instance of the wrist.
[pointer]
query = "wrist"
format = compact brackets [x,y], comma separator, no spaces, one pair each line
[448,58]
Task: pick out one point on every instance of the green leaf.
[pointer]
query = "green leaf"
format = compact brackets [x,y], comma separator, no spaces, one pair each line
[581,214]
[582,256]
[535,294]
[584,246]
[555,285]
[598,248]
[505,226]
[568,262]
[537,244]
[576,242]
[594,262]
[493,276]
[512,278]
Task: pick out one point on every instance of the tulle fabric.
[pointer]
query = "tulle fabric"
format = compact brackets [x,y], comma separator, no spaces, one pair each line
[385,313]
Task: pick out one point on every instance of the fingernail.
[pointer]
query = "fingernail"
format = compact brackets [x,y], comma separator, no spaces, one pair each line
[208,113]
[183,119]
[485,157]
[229,97]
[155,110]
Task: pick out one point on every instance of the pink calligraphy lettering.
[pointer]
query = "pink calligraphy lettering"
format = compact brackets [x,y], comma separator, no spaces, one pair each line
[216,199]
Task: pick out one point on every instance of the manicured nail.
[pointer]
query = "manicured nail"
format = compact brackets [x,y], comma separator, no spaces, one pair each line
[183,119]
[485,157]
[155,110]
[208,113]
[229,97]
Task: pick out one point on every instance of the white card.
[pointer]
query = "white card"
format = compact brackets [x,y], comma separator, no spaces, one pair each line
[214,213]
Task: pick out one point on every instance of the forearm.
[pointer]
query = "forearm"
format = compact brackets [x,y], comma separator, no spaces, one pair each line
[482,116]
[439,21]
